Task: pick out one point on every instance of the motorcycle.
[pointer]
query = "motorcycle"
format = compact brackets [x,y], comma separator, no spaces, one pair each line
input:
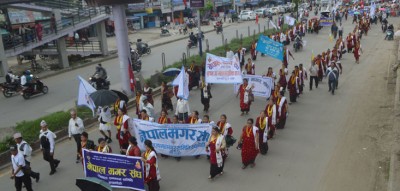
[219,29]
[191,44]
[164,30]
[142,48]
[297,45]
[384,27]
[34,89]
[389,34]
[10,89]
[99,84]
[136,62]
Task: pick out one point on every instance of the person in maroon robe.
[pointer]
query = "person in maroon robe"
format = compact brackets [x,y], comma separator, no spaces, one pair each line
[261,124]
[249,144]
[245,101]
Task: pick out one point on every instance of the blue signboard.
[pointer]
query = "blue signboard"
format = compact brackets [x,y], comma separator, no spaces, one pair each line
[119,171]
[270,47]
[325,21]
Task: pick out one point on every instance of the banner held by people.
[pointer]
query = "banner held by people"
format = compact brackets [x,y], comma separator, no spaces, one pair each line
[270,47]
[221,70]
[119,171]
[325,21]
[262,86]
[173,139]
[84,91]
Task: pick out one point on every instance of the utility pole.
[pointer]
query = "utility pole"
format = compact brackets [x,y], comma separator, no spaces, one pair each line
[199,34]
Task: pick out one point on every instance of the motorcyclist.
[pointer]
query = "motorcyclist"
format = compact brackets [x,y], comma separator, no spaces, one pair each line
[390,27]
[298,39]
[26,80]
[100,75]
[193,39]
[11,78]
[139,45]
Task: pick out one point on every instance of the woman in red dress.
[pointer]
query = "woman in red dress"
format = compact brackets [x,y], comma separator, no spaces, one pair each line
[349,43]
[249,141]
[152,173]
[244,92]
[282,77]
[216,146]
[357,51]
[164,120]
[261,124]
[123,134]
[133,149]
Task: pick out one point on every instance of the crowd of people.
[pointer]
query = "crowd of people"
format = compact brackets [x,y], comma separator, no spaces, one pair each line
[254,135]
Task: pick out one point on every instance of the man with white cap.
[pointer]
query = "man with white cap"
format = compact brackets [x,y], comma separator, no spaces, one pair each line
[17,171]
[75,129]
[47,145]
[26,150]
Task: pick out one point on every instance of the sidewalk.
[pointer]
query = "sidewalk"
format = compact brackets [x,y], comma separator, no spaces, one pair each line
[150,36]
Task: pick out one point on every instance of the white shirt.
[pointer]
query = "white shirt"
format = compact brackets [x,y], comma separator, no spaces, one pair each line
[73,129]
[314,70]
[26,150]
[50,135]
[182,106]
[23,80]
[18,160]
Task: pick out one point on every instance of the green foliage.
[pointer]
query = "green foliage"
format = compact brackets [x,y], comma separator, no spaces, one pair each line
[55,121]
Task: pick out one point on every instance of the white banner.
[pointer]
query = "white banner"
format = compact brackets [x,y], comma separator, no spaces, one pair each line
[262,85]
[221,70]
[172,139]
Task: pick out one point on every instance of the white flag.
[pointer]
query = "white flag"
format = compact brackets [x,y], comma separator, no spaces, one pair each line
[273,24]
[84,91]
[183,84]
[290,20]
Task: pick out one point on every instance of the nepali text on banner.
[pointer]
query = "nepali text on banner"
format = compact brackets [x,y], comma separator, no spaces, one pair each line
[325,21]
[262,85]
[270,47]
[221,70]
[173,139]
[119,171]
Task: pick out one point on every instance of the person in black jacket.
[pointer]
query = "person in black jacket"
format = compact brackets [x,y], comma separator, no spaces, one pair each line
[86,144]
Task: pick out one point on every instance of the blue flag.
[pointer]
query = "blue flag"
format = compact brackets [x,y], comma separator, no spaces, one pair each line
[270,47]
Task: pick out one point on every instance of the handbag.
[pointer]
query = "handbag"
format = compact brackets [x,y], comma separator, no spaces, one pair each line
[251,97]
[27,169]
[230,140]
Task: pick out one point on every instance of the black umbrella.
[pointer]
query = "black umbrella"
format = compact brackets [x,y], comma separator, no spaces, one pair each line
[121,96]
[104,97]
[92,184]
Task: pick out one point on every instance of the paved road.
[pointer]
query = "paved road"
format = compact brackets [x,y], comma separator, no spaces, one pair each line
[298,156]
[63,88]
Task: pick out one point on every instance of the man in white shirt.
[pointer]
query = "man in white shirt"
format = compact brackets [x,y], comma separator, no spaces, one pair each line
[75,129]
[18,163]
[182,109]
[148,107]
[313,74]
[47,145]
[26,150]
[229,53]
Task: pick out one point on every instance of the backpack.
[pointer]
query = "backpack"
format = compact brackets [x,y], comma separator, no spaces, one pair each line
[44,141]
[22,146]
[8,79]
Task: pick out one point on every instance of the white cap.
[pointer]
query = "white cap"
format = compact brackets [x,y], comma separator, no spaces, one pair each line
[17,135]
[43,123]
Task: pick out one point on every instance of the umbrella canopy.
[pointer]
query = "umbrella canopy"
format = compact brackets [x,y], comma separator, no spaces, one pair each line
[356,13]
[104,97]
[382,9]
[92,184]
[121,95]
[171,72]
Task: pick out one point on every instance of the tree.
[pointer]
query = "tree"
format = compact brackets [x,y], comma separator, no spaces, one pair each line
[296,7]
[207,7]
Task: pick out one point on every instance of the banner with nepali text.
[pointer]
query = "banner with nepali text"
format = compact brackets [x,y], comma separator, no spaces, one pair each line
[173,139]
[262,85]
[221,70]
[270,47]
[119,171]
[325,21]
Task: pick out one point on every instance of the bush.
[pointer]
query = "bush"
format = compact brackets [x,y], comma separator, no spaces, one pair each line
[55,121]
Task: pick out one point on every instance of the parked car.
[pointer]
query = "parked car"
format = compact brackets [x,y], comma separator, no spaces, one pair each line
[274,10]
[247,16]
[281,9]
[262,12]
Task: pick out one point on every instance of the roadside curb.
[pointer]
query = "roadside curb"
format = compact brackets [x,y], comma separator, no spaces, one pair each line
[394,168]
[112,55]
